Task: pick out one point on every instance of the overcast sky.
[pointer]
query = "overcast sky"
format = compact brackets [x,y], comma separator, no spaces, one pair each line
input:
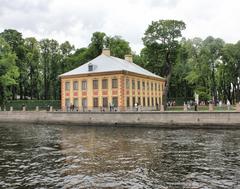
[76,20]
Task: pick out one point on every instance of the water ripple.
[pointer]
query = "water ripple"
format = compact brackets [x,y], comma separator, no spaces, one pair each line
[47,156]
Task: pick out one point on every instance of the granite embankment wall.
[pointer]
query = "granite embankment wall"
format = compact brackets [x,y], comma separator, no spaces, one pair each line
[147,119]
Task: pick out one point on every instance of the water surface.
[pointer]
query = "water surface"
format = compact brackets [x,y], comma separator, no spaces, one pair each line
[48,156]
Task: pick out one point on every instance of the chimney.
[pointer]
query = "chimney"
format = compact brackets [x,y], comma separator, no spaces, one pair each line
[106,51]
[128,57]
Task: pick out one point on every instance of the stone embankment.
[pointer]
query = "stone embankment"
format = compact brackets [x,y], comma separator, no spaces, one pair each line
[140,119]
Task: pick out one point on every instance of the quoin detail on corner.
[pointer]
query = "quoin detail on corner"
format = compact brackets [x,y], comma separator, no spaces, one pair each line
[108,81]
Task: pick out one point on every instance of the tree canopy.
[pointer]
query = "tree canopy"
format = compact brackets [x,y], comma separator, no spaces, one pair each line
[161,40]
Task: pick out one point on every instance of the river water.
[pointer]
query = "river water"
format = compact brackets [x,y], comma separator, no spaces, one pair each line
[48,156]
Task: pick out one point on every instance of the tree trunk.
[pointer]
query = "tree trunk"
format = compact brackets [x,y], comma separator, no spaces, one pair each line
[166,89]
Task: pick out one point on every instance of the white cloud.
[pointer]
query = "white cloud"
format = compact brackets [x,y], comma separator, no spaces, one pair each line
[75,21]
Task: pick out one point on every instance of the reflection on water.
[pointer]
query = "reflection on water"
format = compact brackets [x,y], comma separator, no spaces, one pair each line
[47,156]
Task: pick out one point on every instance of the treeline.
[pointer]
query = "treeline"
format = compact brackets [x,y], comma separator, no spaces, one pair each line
[29,68]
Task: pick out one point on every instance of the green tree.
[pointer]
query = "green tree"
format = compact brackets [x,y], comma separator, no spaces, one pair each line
[34,67]
[98,41]
[161,39]
[66,50]
[118,46]
[179,86]
[229,73]
[8,71]
[50,60]
[16,42]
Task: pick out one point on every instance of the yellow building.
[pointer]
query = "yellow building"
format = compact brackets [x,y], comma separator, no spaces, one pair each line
[107,82]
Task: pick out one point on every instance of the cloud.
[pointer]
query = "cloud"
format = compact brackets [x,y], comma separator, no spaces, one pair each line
[75,21]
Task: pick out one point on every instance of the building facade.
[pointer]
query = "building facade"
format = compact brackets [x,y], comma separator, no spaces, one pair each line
[108,84]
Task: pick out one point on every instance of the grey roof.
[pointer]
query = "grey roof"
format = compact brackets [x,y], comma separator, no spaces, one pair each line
[104,63]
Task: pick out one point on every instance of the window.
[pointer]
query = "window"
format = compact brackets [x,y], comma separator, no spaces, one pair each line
[75,85]
[127,83]
[95,84]
[128,101]
[84,85]
[115,101]
[105,102]
[84,102]
[133,101]
[104,84]
[138,85]
[67,102]
[90,67]
[75,102]
[133,84]
[156,102]
[152,86]
[148,101]
[144,103]
[67,86]
[152,101]
[139,100]
[114,83]
[147,86]
[95,102]
[143,85]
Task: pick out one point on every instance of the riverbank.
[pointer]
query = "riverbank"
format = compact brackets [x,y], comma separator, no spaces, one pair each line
[139,119]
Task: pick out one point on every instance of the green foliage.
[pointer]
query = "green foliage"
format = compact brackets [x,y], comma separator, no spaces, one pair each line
[16,42]
[8,70]
[119,47]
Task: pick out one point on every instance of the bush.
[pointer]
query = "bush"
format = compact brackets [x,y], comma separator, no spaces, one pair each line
[31,104]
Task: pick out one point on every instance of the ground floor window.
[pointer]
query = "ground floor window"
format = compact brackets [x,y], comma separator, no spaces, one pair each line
[67,102]
[156,101]
[144,103]
[152,101]
[95,102]
[139,100]
[148,101]
[128,101]
[105,102]
[84,102]
[75,102]
[133,101]
[115,101]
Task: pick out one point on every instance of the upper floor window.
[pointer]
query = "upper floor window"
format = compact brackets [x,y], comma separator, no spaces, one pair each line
[114,83]
[147,86]
[127,83]
[95,102]
[143,85]
[155,86]
[84,85]
[138,85]
[75,85]
[95,84]
[67,86]
[133,84]
[104,84]
[152,86]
